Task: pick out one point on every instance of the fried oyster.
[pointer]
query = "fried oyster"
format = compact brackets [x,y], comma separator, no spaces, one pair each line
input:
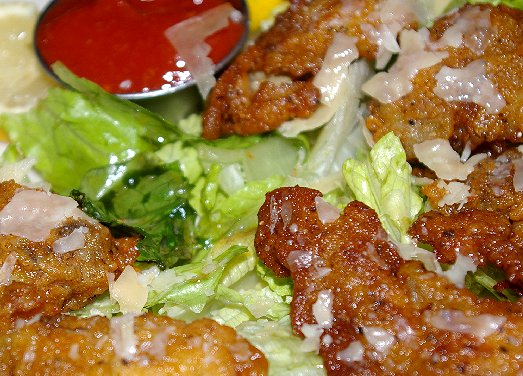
[45,270]
[483,48]
[272,81]
[67,345]
[370,312]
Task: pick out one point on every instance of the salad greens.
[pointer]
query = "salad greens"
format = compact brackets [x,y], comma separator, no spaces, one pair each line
[194,202]
[383,181]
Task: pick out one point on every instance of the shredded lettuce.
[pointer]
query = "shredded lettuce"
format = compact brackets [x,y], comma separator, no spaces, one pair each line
[484,280]
[382,180]
[282,348]
[72,132]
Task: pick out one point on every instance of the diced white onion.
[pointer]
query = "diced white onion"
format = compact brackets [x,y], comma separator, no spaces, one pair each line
[128,291]
[469,84]
[122,336]
[480,326]
[353,353]
[33,214]
[7,269]
[439,156]
[326,212]
[379,338]
[75,240]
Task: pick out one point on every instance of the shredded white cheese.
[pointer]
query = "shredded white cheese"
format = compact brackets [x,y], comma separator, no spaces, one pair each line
[322,312]
[7,269]
[33,214]
[353,353]
[412,252]
[326,212]
[379,338]
[392,16]
[458,271]
[390,86]
[75,240]
[439,156]
[335,69]
[518,174]
[480,326]
[470,27]
[130,293]
[469,84]
[122,336]
[188,38]
[457,193]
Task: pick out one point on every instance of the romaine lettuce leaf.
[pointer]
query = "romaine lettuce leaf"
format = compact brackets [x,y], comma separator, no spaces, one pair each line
[382,180]
[148,196]
[70,132]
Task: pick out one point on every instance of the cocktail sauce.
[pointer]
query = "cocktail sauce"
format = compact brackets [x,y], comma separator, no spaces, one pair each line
[120,44]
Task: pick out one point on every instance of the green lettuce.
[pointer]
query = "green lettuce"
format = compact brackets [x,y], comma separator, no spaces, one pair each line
[71,132]
[281,347]
[149,197]
[382,180]
[238,174]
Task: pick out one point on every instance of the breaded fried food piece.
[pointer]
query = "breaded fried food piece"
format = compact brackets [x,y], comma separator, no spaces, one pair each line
[293,48]
[370,312]
[485,236]
[43,280]
[422,115]
[67,345]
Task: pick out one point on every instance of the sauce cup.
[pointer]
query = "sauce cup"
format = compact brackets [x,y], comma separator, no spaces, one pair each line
[142,50]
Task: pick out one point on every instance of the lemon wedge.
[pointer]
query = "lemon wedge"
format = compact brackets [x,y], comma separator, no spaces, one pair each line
[22,80]
[261,12]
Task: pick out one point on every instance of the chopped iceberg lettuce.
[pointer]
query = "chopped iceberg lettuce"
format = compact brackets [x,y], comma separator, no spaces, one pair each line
[382,180]
[282,348]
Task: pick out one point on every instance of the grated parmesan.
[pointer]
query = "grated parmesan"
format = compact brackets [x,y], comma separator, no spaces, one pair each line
[33,214]
[439,156]
[479,326]
[469,84]
[390,86]
[7,269]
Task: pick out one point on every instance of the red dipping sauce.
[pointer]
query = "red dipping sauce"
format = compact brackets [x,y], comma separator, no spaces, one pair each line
[121,45]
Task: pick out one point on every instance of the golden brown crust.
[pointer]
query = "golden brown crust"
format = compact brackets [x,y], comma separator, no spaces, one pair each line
[421,115]
[67,345]
[46,282]
[294,47]
[376,294]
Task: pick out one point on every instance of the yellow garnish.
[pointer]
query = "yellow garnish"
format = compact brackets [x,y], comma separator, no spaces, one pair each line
[261,11]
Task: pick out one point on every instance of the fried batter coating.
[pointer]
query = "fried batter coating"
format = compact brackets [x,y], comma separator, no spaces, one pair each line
[68,345]
[47,282]
[294,48]
[483,235]
[422,115]
[371,312]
